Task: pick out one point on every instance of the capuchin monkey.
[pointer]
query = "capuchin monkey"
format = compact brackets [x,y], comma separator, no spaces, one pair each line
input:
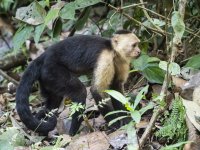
[57,71]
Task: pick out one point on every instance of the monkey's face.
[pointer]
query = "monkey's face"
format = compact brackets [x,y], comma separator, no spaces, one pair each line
[126,45]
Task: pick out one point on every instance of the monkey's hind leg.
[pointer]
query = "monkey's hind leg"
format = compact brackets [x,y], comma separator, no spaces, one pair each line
[77,93]
[60,84]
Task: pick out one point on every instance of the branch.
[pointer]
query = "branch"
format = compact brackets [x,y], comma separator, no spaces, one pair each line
[8,77]
[119,10]
[149,18]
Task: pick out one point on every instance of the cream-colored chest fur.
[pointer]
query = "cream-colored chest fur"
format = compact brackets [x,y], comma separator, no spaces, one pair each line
[109,66]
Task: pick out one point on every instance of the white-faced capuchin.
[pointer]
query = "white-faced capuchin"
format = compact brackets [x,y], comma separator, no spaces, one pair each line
[57,71]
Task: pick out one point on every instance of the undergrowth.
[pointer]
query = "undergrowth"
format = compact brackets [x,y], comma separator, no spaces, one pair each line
[174,127]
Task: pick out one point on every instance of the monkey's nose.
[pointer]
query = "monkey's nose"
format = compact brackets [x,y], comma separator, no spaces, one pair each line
[138,52]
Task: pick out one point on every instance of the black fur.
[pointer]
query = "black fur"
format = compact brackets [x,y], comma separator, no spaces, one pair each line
[56,70]
[123,32]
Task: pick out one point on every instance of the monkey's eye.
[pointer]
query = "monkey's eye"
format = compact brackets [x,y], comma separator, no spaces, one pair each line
[134,45]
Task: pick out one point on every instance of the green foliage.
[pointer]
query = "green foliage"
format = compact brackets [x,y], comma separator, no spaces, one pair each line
[173,68]
[35,19]
[68,11]
[194,62]
[178,24]
[175,146]
[21,36]
[149,68]
[5,4]
[174,128]
[75,107]
[131,108]
[11,138]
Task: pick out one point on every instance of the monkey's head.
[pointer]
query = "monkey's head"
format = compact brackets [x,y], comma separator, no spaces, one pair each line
[125,43]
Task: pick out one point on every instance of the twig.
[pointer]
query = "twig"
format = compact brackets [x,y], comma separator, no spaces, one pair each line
[8,77]
[133,5]
[194,36]
[85,118]
[5,40]
[149,18]
[119,10]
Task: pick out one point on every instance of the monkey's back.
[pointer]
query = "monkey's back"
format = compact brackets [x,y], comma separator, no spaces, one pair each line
[79,53]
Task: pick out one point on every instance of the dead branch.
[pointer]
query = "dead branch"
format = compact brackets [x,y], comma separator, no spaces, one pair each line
[12,61]
[8,77]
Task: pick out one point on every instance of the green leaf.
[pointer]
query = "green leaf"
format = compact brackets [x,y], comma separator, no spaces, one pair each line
[117,95]
[178,24]
[80,24]
[194,62]
[11,138]
[57,27]
[116,119]
[144,109]
[38,32]
[143,62]
[116,112]
[173,69]
[136,116]
[68,11]
[132,137]
[158,22]
[85,3]
[154,74]
[149,67]
[21,36]
[140,95]
[52,15]
[171,147]
[32,14]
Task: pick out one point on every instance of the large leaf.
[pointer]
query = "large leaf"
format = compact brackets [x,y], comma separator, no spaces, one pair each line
[136,116]
[140,95]
[118,96]
[132,137]
[116,112]
[53,14]
[156,22]
[144,109]
[21,36]
[173,68]
[38,32]
[154,74]
[85,3]
[11,138]
[178,24]
[57,28]
[194,62]
[117,119]
[68,11]
[33,14]
[80,24]
[149,68]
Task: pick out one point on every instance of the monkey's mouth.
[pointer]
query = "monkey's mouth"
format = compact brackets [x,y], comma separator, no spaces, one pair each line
[135,55]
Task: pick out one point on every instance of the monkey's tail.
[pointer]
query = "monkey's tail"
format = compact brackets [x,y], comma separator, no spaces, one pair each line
[32,74]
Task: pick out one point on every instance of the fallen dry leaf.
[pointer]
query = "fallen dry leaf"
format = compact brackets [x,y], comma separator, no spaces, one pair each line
[192,111]
[92,141]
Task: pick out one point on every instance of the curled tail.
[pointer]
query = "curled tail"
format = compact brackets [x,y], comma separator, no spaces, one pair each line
[31,75]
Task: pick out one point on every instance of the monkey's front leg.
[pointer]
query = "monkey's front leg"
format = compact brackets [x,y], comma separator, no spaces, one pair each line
[117,85]
[104,108]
